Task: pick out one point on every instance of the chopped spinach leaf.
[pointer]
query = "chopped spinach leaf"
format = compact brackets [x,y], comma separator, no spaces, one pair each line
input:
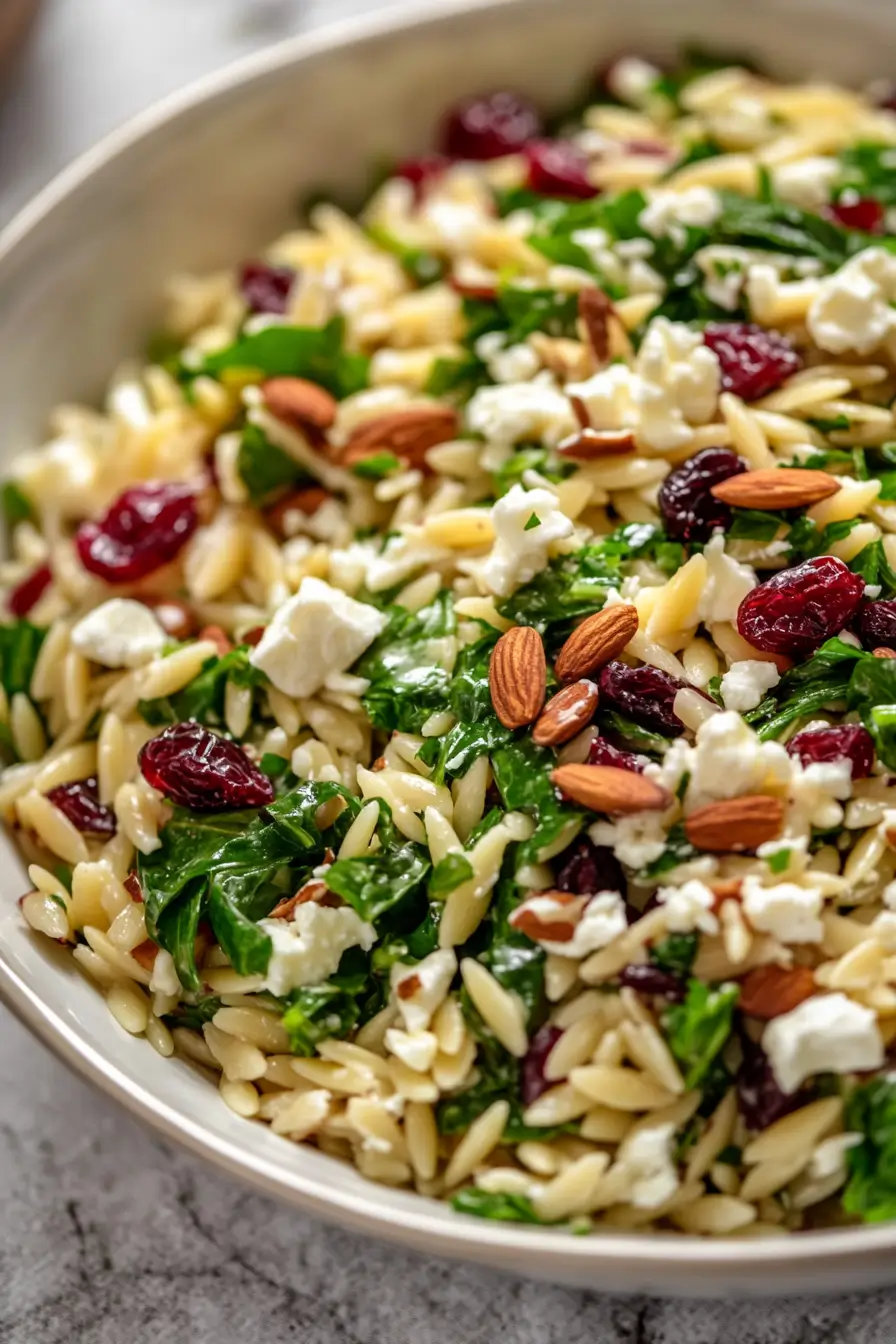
[871,1112]
[676,953]
[498,1207]
[315,353]
[265,468]
[697,1029]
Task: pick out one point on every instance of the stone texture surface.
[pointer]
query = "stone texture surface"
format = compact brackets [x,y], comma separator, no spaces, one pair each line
[107,1236]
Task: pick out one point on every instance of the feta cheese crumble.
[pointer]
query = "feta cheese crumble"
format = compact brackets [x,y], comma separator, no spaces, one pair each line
[308,948]
[513,412]
[826,1034]
[679,384]
[119,633]
[318,631]
[647,1166]
[689,908]
[522,547]
[788,912]
[668,214]
[727,582]
[854,308]
[745,683]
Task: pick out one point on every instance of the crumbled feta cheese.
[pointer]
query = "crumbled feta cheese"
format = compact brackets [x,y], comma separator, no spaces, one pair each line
[816,792]
[788,912]
[418,990]
[506,363]
[745,684]
[609,397]
[514,412]
[668,214]
[689,908]
[829,1159]
[828,1033]
[727,582]
[522,546]
[806,182]
[636,840]
[646,1164]
[457,224]
[772,299]
[308,948]
[417,1049]
[119,633]
[602,920]
[728,760]
[679,384]
[631,80]
[855,308]
[318,631]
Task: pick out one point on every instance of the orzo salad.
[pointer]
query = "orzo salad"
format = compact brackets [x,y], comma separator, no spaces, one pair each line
[449,689]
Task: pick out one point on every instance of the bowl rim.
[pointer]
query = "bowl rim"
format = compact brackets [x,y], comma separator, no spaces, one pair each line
[460,1237]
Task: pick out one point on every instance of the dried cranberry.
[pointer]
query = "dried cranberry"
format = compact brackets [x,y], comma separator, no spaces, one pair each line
[846,742]
[797,609]
[197,769]
[532,1079]
[753,361]
[422,171]
[647,979]
[876,624]
[645,694]
[589,869]
[864,213]
[264,288]
[80,802]
[28,593]
[143,530]
[487,128]
[558,168]
[690,512]
[602,752]
[760,1100]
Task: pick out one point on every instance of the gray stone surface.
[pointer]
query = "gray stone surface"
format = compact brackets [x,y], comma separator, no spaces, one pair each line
[107,1236]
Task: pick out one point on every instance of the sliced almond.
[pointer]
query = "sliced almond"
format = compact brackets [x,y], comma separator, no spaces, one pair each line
[776,488]
[565,714]
[556,930]
[145,953]
[884,653]
[771,991]
[313,890]
[727,889]
[595,310]
[409,434]
[517,676]
[735,825]
[598,640]
[589,444]
[606,788]
[300,402]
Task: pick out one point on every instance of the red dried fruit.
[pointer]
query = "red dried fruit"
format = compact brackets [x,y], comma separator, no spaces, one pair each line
[80,802]
[589,869]
[145,528]
[264,288]
[422,171]
[197,769]
[690,512]
[759,1098]
[602,752]
[644,694]
[797,609]
[532,1079]
[28,593]
[864,213]
[753,361]
[847,741]
[876,624]
[645,978]
[488,127]
[558,168]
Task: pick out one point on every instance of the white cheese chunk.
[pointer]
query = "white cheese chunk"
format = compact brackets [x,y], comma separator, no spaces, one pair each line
[119,633]
[689,908]
[826,1034]
[506,363]
[728,761]
[307,949]
[745,683]
[807,183]
[668,214]
[526,523]
[679,384]
[855,308]
[513,412]
[647,1166]
[788,912]
[636,840]
[727,582]
[609,397]
[318,631]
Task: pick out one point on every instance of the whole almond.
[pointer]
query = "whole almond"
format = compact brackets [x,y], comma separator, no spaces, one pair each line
[735,825]
[606,788]
[776,488]
[589,444]
[408,434]
[595,310]
[299,402]
[517,675]
[565,714]
[598,640]
[770,991]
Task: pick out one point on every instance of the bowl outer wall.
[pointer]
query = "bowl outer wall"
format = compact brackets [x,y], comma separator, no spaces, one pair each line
[207,177]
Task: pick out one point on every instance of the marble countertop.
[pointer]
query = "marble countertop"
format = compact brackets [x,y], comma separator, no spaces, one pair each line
[107,1235]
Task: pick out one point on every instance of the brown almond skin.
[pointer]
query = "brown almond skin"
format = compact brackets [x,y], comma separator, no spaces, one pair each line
[595,309]
[771,991]
[606,788]
[517,676]
[598,640]
[735,825]
[590,444]
[565,714]
[776,488]
[299,402]
[408,434]
[884,653]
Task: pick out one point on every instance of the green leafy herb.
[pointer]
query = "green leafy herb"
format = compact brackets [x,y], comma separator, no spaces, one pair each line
[754,525]
[448,874]
[779,861]
[499,1208]
[17,507]
[315,353]
[273,766]
[523,778]
[871,1190]
[511,472]
[532,521]
[478,730]
[377,466]
[265,468]
[379,882]
[333,1009]
[678,850]
[676,953]
[20,643]
[203,697]
[698,1028]
[869,170]
[872,691]
[407,684]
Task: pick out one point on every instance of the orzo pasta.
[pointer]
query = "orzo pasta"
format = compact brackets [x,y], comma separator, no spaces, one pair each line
[449,689]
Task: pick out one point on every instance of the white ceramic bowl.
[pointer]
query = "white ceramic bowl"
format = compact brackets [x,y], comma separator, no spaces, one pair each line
[204,180]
